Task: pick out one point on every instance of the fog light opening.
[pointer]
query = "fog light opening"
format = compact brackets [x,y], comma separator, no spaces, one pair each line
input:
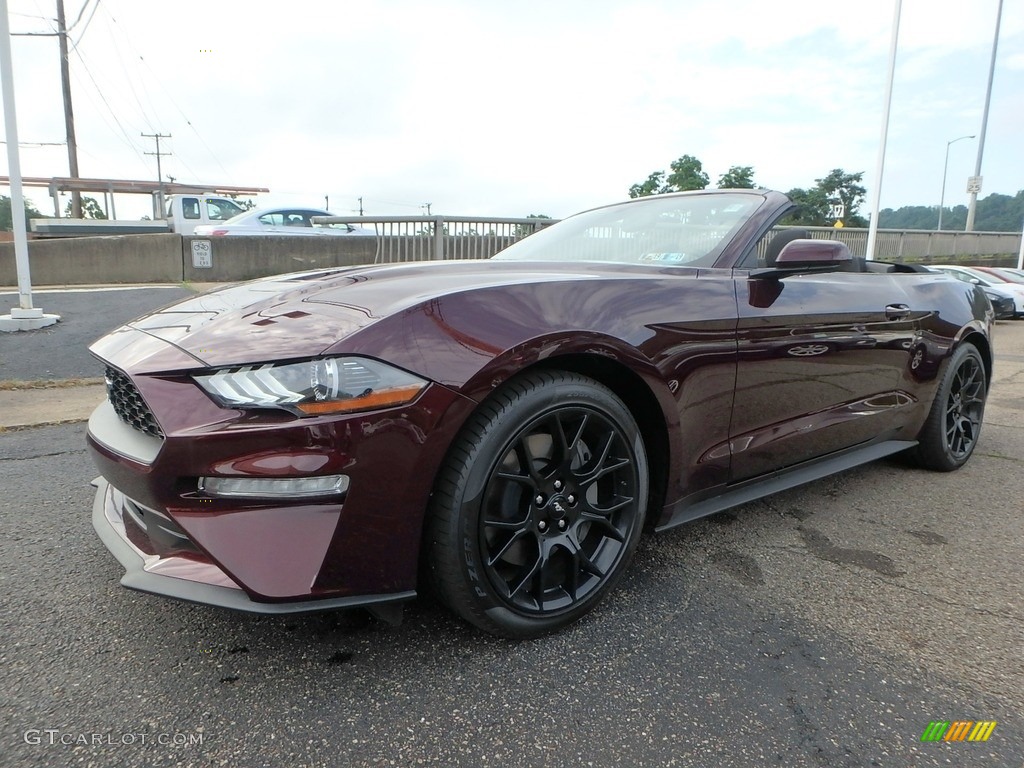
[274,487]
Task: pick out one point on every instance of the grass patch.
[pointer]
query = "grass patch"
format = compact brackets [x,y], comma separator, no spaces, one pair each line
[14,385]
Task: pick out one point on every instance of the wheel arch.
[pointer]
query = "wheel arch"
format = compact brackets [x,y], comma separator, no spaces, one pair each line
[629,387]
[643,404]
[981,343]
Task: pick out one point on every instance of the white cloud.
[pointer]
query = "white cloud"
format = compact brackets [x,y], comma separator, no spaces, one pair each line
[532,107]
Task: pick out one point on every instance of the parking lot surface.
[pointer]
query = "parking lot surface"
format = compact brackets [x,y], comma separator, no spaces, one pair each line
[823,626]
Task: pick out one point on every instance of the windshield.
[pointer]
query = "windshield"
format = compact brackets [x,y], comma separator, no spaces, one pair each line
[671,230]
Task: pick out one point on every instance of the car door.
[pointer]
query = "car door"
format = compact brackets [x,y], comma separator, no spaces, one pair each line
[820,361]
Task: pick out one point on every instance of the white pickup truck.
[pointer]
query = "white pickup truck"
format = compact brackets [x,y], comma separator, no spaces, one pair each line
[182,214]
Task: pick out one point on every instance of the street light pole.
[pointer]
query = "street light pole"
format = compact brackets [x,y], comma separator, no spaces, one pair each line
[876,197]
[945,170]
[24,317]
[976,181]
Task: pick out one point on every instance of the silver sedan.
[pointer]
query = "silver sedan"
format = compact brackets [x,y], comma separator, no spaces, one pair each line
[280,222]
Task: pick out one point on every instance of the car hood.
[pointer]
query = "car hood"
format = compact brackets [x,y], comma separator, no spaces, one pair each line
[304,314]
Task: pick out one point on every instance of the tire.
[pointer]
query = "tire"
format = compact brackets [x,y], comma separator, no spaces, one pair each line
[953,426]
[539,506]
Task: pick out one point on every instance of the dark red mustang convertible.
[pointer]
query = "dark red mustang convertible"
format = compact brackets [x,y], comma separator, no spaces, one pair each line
[505,429]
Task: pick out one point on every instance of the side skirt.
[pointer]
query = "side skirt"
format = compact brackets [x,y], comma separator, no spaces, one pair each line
[685,510]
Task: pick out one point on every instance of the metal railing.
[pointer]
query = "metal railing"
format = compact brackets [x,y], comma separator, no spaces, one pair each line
[921,245]
[427,238]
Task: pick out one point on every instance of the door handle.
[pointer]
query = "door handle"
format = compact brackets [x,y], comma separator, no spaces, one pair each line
[897,311]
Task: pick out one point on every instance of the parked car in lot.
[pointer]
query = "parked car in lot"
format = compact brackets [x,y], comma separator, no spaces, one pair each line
[505,429]
[991,283]
[280,221]
[1002,305]
[1005,274]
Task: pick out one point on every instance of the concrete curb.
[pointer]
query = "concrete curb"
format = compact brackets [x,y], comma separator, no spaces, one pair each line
[36,407]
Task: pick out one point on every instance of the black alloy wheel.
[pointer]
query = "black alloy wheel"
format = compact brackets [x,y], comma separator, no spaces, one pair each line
[540,506]
[953,427]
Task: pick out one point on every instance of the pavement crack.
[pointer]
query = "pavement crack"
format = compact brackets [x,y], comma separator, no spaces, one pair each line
[41,455]
[946,601]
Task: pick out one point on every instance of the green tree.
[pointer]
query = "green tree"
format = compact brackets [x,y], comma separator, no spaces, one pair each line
[737,177]
[687,173]
[684,174]
[846,188]
[6,221]
[813,206]
[524,230]
[90,209]
[245,203]
[995,213]
[655,185]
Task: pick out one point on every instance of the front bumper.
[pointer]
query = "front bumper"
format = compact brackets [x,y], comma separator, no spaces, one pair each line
[185,577]
[269,555]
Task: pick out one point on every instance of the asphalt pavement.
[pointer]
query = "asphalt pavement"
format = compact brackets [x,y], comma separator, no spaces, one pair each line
[823,626]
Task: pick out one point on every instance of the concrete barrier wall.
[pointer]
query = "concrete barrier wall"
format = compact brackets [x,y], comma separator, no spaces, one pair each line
[154,258]
[170,258]
[245,258]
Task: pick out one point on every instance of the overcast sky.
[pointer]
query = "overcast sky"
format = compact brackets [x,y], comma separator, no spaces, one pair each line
[495,107]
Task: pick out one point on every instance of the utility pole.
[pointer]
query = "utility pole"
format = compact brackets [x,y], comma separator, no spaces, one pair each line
[974,185]
[69,115]
[360,206]
[159,174]
[427,206]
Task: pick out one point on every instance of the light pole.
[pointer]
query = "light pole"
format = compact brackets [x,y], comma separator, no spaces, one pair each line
[975,186]
[945,170]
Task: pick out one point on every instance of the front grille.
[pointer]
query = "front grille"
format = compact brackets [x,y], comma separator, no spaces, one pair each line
[129,405]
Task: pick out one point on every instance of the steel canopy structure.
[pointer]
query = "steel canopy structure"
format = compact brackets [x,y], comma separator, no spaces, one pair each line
[57,184]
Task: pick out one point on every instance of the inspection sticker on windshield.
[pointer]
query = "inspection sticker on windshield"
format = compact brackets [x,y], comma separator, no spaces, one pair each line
[663,257]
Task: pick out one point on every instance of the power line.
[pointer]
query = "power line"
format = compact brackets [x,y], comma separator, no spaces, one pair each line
[69,115]
[117,50]
[110,109]
[160,81]
[79,17]
[87,21]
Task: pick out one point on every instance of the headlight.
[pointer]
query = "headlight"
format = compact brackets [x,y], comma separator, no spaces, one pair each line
[993,297]
[312,387]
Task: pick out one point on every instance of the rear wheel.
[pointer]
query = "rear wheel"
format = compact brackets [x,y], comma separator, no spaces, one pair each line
[951,432]
[539,507]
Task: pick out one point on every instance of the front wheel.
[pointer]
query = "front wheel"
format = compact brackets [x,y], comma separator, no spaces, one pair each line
[539,507]
[953,427]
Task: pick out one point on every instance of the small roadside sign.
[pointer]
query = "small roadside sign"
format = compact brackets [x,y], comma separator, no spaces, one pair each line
[202,254]
[973,185]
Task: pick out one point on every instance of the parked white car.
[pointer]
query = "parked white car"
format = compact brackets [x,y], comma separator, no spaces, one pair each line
[280,222]
[988,282]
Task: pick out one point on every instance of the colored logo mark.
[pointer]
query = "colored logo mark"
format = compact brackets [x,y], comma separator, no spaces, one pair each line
[958,730]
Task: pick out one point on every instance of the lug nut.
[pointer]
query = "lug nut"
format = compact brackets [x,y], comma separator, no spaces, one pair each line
[558,485]
[561,525]
[539,499]
[571,498]
[542,526]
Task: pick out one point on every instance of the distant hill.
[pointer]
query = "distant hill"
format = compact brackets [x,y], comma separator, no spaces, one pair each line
[995,213]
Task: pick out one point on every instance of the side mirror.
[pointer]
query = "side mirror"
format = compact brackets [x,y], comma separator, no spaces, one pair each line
[810,254]
[806,256]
